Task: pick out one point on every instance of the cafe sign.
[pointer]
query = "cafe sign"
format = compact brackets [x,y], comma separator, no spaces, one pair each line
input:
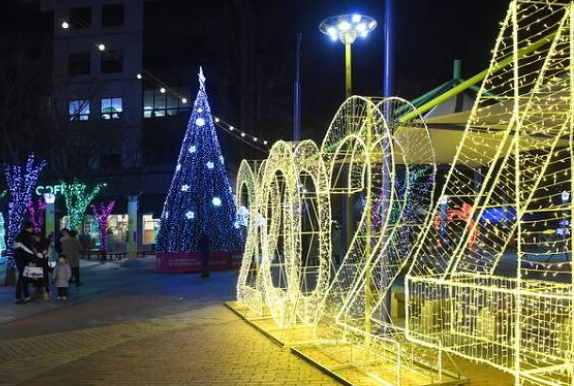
[51,189]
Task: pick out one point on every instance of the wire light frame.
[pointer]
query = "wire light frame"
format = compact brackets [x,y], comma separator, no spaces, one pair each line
[488,260]
[249,291]
[385,168]
[498,288]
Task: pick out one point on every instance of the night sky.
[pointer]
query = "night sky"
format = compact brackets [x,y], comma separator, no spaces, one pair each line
[429,35]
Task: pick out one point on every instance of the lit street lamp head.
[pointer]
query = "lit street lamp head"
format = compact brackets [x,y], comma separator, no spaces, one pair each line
[347,28]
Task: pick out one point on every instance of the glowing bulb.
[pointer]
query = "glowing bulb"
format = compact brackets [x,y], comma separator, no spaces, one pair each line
[184,100]
[185,188]
[332,31]
[139,76]
[344,26]
[361,27]
[356,18]
[162,90]
[65,25]
[216,119]
[210,165]
[190,215]
[178,168]
[192,149]
[231,128]
[255,139]
[216,201]
[265,142]
[200,122]
[101,47]
[243,134]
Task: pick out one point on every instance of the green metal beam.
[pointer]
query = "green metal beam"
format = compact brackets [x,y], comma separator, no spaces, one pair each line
[477,78]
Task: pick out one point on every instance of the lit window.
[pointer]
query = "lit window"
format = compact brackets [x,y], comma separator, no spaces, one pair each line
[111,108]
[79,110]
[158,105]
[150,228]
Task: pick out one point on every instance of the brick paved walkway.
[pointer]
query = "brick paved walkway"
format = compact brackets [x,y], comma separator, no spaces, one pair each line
[158,330]
[135,327]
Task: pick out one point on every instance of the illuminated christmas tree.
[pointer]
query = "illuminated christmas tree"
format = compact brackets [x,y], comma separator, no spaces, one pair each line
[21,181]
[199,201]
[2,234]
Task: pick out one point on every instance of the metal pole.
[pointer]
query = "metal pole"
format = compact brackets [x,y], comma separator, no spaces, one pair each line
[478,77]
[456,70]
[389,69]
[132,227]
[348,225]
[348,72]
[297,107]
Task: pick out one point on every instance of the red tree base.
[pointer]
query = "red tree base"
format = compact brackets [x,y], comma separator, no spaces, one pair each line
[190,262]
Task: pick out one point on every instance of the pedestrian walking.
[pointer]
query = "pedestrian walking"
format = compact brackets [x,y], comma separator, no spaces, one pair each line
[71,249]
[23,255]
[204,250]
[61,277]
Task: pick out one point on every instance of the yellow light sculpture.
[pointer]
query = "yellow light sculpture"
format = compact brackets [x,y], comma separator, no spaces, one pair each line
[249,289]
[314,234]
[493,284]
[499,289]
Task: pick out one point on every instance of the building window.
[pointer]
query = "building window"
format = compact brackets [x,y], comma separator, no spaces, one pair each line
[79,64]
[79,110]
[117,232]
[112,61]
[158,105]
[112,15]
[111,108]
[150,229]
[81,18]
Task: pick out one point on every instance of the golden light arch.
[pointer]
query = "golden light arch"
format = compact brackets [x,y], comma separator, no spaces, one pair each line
[249,289]
[280,210]
[314,206]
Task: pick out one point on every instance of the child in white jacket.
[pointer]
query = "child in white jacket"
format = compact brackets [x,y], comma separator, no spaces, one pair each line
[61,276]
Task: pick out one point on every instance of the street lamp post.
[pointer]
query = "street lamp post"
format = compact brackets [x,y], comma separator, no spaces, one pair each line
[346,29]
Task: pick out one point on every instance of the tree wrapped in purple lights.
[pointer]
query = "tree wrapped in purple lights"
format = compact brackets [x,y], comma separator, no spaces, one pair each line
[36,214]
[102,214]
[21,181]
[199,202]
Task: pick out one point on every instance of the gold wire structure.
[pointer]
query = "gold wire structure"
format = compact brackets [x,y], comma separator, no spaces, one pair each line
[498,288]
[488,260]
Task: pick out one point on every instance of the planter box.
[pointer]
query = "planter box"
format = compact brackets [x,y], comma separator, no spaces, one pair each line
[190,262]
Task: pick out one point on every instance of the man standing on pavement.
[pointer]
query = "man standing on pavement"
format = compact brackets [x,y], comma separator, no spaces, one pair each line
[71,249]
[23,255]
[204,250]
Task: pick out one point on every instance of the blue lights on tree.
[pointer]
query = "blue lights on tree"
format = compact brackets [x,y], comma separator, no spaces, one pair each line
[21,181]
[200,200]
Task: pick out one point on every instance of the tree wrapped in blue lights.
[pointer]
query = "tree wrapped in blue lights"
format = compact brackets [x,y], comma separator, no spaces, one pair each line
[21,181]
[200,200]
